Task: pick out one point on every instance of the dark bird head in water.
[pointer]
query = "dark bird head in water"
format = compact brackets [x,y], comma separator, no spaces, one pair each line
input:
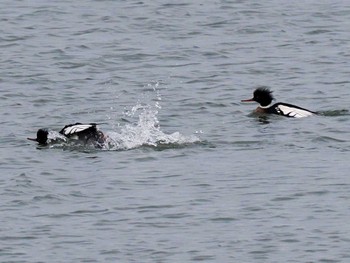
[263,96]
[41,136]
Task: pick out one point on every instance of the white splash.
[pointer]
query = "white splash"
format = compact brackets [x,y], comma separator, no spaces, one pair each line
[146,132]
[54,137]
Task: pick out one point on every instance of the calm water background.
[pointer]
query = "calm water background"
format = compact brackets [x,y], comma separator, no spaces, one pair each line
[227,186]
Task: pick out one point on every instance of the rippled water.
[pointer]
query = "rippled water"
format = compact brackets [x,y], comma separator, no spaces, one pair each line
[192,174]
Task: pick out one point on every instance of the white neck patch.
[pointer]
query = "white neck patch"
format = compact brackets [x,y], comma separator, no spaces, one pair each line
[265,107]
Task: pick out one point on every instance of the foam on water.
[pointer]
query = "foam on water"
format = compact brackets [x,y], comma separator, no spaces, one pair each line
[147,131]
[55,139]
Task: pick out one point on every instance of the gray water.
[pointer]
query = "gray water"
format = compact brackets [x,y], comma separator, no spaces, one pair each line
[192,174]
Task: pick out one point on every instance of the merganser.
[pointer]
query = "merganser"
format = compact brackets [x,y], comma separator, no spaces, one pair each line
[264,97]
[82,133]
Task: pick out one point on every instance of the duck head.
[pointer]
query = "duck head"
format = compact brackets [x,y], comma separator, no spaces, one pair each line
[41,136]
[263,96]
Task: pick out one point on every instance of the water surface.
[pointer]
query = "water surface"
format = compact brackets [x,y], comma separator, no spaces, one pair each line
[193,175]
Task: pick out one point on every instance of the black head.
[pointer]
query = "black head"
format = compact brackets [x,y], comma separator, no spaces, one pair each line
[41,136]
[263,96]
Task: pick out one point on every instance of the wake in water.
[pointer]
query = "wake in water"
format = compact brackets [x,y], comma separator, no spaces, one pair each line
[334,113]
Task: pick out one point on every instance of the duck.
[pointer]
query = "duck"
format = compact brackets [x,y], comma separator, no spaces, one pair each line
[77,132]
[264,97]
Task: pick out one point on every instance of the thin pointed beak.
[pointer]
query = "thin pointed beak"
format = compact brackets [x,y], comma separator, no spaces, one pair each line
[32,139]
[249,100]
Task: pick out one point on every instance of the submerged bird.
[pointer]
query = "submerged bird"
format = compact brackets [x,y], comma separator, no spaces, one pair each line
[264,97]
[82,133]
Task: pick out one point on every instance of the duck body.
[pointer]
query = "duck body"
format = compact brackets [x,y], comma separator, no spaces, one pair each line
[264,97]
[287,110]
[85,134]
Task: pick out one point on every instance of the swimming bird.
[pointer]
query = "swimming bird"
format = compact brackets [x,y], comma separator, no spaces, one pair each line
[264,97]
[78,132]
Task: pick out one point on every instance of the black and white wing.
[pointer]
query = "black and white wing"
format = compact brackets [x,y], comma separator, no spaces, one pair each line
[77,128]
[293,111]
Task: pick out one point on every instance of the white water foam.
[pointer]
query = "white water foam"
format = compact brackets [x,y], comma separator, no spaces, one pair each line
[147,131]
[54,137]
